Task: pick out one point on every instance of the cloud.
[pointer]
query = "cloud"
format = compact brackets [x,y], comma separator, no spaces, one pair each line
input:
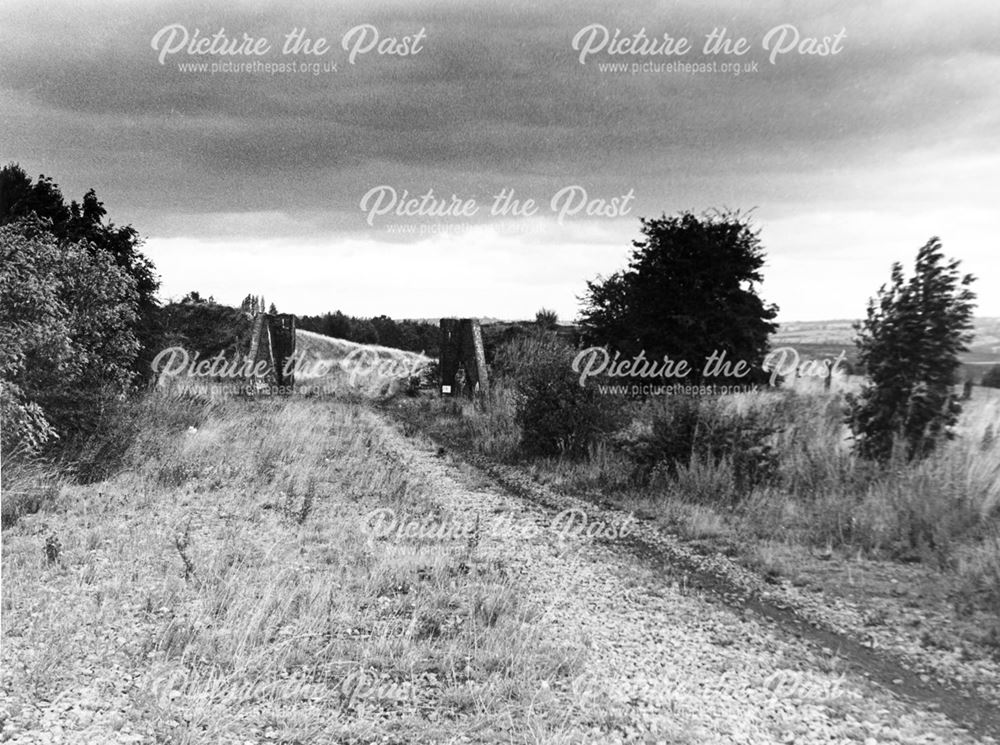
[498,99]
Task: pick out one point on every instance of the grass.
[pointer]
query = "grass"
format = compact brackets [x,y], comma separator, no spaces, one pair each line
[811,491]
[223,588]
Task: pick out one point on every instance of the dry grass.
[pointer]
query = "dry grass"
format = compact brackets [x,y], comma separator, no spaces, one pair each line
[224,589]
[944,510]
[363,369]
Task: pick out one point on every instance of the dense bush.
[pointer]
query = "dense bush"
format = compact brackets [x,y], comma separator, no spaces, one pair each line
[686,430]
[203,326]
[557,415]
[85,223]
[67,341]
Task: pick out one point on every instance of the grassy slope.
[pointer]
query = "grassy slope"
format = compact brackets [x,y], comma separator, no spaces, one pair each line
[223,589]
[362,368]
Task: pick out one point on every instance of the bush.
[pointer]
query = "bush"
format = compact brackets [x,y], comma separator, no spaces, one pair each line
[546,319]
[694,433]
[67,340]
[203,327]
[557,415]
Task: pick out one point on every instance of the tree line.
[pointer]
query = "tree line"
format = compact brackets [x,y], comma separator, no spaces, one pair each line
[411,336]
[80,319]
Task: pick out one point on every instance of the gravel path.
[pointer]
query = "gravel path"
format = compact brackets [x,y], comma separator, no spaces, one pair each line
[670,663]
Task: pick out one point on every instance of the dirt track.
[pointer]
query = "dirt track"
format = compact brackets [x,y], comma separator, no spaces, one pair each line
[688,647]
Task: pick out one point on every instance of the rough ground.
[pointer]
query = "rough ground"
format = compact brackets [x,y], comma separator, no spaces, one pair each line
[676,664]
[662,659]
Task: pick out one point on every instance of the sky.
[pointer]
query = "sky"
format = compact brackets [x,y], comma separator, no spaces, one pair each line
[368,172]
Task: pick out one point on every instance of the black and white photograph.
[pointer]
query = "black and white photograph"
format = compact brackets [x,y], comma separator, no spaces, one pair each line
[438,371]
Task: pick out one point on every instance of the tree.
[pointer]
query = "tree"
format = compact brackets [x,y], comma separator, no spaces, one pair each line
[84,223]
[77,222]
[546,319]
[689,291]
[67,341]
[909,343]
[364,331]
[387,330]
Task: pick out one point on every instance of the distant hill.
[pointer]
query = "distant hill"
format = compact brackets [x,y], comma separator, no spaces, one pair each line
[824,338]
[840,331]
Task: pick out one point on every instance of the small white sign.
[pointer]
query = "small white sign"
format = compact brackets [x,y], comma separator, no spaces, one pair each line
[446,389]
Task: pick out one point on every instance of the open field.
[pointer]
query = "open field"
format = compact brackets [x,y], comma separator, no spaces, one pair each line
[829,338]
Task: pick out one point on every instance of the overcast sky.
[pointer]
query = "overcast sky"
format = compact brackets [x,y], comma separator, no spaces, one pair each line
[254,181]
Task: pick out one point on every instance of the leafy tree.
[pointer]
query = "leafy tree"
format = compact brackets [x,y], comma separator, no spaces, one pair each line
[689,291]
[991,378]
[67,340]
[364,331]
[75,222]
[84,223]
[387,331]
[909,343]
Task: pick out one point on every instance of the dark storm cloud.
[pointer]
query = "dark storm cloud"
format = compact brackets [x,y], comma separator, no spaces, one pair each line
[497,97]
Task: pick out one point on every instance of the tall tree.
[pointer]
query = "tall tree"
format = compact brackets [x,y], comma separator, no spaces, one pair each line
[689,291]
[910,343]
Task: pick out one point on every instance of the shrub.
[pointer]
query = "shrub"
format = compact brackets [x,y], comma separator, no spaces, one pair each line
[68,335]
[557,415]
[546,319]
[694,433]
[203,327]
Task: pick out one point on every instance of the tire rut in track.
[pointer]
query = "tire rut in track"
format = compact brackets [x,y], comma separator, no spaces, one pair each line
[961,703]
